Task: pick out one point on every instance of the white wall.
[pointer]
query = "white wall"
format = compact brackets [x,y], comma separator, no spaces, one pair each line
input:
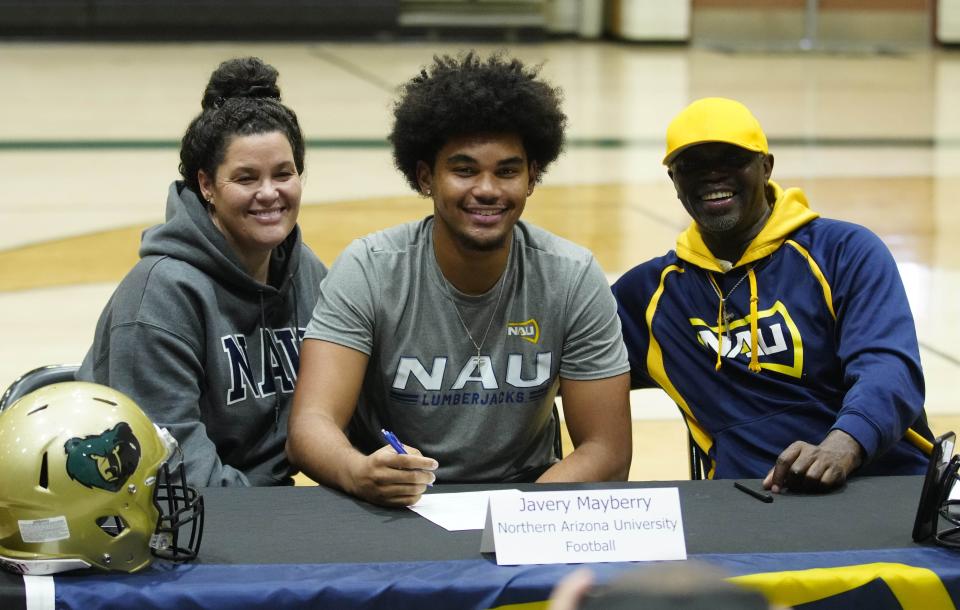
[948,21]
[653,20]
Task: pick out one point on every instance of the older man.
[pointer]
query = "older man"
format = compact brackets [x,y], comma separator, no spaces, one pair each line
[786,339]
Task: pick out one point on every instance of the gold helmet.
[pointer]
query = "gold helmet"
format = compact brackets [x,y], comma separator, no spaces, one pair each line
[86,479]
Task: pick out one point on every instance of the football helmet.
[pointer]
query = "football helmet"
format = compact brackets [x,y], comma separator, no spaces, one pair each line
[87,480]
[938,499]
[950,507]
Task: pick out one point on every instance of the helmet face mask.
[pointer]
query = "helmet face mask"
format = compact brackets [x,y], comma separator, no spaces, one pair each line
[935,497]
[87,483]
[949,508]
[179,506]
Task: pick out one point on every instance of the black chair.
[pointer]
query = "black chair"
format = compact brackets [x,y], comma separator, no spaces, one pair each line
[696,458]
[558,436]
[37,378]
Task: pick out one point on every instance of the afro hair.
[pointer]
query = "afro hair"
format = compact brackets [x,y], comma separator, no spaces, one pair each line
[466,95]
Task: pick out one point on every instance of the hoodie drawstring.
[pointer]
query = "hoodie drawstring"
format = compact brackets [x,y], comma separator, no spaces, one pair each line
[754,351]
[721,311]
[754,318]
[296,315]
[266,350]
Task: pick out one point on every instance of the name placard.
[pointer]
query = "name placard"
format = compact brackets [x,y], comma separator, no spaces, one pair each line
[588,526]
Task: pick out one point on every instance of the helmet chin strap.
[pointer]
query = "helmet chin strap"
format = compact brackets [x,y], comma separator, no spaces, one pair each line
[169,442]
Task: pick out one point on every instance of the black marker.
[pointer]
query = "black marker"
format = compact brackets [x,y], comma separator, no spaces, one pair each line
[763,497]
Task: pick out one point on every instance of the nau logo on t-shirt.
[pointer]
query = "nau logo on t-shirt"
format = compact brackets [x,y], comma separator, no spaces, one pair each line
[477,371]
[779,343]
[477,382]
[528,330]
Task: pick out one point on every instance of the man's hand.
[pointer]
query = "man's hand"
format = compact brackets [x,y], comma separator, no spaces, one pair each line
[390,479]
[569,592]
[325,399]
[815,468]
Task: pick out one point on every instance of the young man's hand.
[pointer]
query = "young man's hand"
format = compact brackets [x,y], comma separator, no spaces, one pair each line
[388,478]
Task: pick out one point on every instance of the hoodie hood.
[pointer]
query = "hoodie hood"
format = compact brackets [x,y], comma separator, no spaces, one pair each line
[206,350]
[189,235]
[790,212]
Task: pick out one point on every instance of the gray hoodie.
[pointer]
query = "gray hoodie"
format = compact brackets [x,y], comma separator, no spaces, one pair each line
[206,350]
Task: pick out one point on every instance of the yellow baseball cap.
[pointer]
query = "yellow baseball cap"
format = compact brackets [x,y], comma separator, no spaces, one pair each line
[714,119]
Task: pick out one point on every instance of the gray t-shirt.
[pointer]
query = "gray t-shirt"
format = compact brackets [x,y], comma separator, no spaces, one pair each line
[490,420]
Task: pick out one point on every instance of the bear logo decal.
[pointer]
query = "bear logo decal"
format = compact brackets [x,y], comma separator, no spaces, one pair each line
[104,460]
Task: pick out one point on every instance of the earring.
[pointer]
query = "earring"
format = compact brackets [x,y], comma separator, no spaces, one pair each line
[428,191]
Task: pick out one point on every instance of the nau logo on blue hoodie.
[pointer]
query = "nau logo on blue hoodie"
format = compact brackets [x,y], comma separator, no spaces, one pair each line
[779,344]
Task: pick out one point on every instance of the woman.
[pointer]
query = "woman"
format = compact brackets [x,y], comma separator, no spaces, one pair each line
[204,332]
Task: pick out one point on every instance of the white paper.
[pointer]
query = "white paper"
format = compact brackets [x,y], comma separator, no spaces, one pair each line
[588,526]
[457,511]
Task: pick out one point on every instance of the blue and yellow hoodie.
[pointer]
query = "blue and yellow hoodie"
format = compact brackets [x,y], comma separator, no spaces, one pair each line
[815,333]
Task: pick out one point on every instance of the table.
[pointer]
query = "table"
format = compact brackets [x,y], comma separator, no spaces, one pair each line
[312,547]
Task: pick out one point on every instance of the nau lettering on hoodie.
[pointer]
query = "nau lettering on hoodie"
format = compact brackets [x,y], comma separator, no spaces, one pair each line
[280,359]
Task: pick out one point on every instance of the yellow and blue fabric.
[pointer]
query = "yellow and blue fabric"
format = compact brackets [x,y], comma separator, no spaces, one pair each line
[815,333]
[907,579]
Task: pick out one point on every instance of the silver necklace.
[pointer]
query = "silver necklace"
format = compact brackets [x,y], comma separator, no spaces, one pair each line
[478,346]
[727,317]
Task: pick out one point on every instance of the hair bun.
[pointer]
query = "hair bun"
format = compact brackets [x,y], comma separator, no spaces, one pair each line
[241,77]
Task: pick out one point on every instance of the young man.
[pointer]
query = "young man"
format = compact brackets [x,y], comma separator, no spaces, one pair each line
[456,332]
[786,339]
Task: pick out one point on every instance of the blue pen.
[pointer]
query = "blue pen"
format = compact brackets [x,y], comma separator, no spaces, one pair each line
[396,444]
[393,440]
